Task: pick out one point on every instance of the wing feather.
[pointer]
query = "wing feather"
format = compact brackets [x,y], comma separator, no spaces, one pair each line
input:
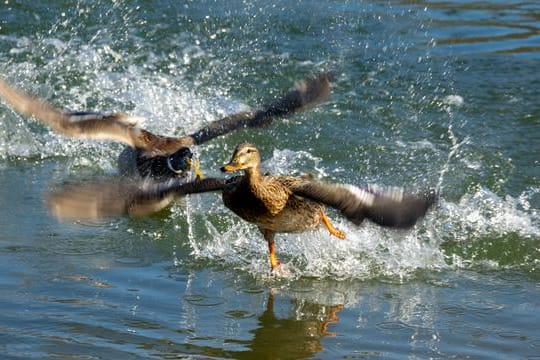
[390,207]
[306,93]
[91,125]
[99,199]
[124,128]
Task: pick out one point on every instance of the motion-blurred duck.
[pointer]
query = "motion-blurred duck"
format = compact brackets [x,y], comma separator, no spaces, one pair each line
[155,156]
[276,204]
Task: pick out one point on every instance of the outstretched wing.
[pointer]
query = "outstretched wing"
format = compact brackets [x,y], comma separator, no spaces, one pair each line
[96,200]
[124,128]
[305,94]
[92,125]
[390,207]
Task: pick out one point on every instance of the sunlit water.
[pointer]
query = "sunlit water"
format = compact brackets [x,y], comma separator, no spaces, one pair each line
[438,94]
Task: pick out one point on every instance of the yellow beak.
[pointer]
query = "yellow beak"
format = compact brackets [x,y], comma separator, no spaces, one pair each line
[195,164]
[230,167]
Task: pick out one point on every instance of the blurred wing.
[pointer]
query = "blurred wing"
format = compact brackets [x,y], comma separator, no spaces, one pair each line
[93,125]
[117,197]
[390,207]
[305,94]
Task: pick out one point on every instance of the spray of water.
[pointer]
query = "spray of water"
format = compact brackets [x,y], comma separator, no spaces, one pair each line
[97,75]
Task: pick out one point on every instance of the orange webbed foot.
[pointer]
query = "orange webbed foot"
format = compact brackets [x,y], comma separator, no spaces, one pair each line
[333,231]
[274,262]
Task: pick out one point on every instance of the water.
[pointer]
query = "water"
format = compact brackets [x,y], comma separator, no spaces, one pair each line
[441,94]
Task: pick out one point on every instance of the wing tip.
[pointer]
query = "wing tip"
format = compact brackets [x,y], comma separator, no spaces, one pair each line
[419,206]
[316,89]
[403,212]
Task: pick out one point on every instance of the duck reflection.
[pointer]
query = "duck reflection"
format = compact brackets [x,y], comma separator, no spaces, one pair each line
[293,337]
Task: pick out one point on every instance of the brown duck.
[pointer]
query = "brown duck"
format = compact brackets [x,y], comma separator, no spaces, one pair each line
[156,156]
[274,203]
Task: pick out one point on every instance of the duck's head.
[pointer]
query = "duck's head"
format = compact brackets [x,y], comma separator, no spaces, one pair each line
[180,162]
[246,157]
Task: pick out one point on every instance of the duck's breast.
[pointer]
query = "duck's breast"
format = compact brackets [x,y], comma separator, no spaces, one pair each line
[243,203]
[296,216]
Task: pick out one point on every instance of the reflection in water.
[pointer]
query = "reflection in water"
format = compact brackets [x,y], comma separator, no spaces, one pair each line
[502,27]
[220,315]
[291,337]
[289,320]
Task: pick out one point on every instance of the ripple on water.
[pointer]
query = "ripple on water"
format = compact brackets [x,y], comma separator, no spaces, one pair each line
[464,327]
[483,307]
[128,260]
[143,324]
[454,310]
[253,290]
[203,300]
[393,326]
[471,27]
[101,284]
[180,277]
[514,335]
[239,314]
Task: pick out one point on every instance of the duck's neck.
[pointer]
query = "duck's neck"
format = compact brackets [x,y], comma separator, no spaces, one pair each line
[253,175]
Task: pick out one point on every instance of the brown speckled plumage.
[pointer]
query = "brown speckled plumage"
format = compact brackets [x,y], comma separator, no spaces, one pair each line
[266,200]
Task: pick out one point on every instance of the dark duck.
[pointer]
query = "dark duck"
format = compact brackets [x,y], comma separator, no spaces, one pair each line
[157,156]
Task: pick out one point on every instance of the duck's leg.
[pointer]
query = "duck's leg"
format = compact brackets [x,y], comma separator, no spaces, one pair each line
[337,233]
[269,237]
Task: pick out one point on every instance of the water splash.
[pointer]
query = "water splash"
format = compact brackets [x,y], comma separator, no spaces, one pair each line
[170,106]
[370,251]
[485,213]
[102,71]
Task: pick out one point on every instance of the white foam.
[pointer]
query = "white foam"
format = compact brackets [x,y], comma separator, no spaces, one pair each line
[485,213]
[453,100]
[370,251]
[170,106]
[289,162]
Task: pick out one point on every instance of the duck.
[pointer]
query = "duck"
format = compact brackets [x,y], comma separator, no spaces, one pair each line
[160,157]
[273,203]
